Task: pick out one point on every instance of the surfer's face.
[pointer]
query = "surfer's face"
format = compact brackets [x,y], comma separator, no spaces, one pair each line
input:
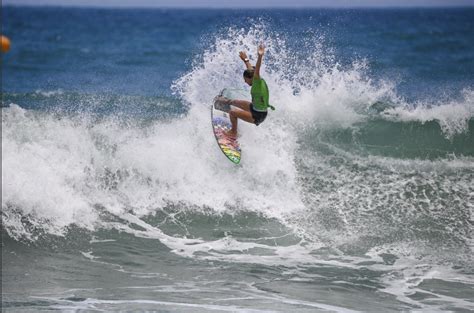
[248,80]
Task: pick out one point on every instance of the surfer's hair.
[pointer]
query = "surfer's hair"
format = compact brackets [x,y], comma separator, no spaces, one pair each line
[248,73]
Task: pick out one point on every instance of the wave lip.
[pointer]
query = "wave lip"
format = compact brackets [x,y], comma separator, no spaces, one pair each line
[454,117]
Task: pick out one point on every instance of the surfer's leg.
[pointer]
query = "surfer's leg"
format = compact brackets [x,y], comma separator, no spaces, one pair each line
[241,104]
[234,116]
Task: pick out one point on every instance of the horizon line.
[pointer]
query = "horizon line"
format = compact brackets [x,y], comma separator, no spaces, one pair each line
[93,6]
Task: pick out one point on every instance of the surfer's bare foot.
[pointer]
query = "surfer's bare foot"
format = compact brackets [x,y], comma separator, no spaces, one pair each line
[231,134]
[221,99]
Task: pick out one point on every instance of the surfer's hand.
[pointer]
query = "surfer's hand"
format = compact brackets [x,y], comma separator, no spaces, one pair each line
[261,49]
[243,55]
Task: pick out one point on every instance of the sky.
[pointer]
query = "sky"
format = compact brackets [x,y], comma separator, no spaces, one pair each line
[244,3]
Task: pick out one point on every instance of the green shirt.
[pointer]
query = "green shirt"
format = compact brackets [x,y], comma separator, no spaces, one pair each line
[260,95]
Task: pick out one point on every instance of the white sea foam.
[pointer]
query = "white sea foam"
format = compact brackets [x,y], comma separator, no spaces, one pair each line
[50,93]
[405,278]
[59,170]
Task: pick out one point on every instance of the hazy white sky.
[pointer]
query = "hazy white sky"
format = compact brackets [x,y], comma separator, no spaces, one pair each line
[245,3]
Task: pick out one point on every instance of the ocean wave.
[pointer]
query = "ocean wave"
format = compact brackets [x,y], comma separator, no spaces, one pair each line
[453,116]
[396,138]
[333,126]
[58,168]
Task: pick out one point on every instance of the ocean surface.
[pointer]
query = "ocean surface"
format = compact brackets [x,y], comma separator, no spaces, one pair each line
[355,195]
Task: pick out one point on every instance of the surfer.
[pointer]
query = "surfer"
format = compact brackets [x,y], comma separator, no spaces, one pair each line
[253,112]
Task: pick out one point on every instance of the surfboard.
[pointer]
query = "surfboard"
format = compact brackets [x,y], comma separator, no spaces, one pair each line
[221,124]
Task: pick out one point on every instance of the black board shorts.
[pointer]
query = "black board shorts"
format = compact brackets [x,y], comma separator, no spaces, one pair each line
[257,116]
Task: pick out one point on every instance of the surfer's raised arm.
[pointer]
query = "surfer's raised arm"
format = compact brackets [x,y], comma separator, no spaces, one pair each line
[260,52]
[243,57]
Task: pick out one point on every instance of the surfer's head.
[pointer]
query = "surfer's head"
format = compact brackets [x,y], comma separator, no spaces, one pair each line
[248,75]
